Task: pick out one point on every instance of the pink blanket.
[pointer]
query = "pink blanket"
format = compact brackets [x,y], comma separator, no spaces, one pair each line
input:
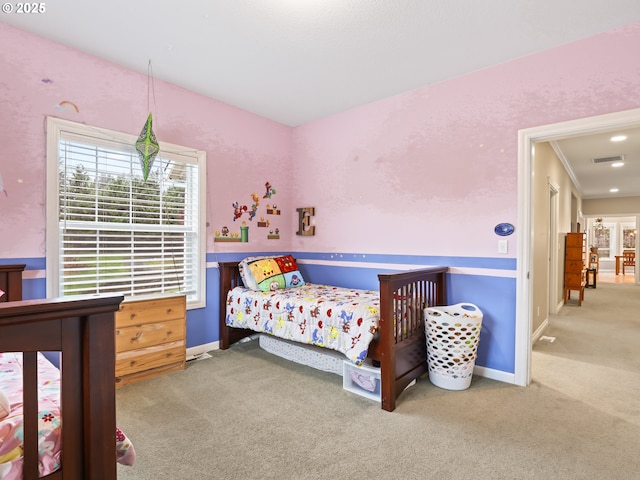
[49,421]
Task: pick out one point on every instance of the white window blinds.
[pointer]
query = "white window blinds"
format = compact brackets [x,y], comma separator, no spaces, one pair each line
[118,234]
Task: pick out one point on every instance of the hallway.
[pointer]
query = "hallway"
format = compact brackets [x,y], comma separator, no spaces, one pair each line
[590,352]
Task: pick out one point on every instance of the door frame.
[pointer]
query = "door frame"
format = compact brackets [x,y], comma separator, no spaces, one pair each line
[552,245]
[526,139]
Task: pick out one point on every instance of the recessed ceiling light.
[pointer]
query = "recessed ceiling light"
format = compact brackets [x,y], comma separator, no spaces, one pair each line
[614,190]
[617,164]
[618,138]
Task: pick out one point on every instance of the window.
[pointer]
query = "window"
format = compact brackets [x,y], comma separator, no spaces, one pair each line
[111,233]
[628,237]
[604,239]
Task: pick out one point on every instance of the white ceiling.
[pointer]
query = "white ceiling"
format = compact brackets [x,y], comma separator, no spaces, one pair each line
[595,179]
[296,61]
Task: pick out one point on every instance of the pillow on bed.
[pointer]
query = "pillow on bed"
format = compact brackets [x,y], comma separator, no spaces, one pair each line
[270,273]
[5,406]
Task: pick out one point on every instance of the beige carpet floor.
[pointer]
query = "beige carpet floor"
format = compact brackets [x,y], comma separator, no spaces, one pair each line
[246,414]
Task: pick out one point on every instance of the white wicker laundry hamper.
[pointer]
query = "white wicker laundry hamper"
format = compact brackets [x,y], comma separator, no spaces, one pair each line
[453,333]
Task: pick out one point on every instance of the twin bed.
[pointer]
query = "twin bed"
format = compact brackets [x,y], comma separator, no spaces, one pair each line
[86,394]
[386,327]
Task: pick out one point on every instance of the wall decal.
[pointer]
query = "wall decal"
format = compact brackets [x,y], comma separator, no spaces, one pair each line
[273,210]
[66,105]
[239,210]
[304,221]
[274,234]
[244,233]
[270,190]
[225,235]
[254,206]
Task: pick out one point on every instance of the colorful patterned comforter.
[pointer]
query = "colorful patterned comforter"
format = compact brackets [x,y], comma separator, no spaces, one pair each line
[342,319]
[49,421]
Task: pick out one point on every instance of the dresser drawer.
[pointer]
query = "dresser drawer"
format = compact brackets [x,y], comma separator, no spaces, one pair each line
[134,361]
[573,266]
[574,280]
[575,253]
[138,312]
[575,240]
[148,334]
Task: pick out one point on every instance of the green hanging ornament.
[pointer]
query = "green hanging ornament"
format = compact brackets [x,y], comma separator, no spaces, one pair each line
[147,147]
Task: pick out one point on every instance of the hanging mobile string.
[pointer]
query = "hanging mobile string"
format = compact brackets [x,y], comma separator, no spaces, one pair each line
[151,90]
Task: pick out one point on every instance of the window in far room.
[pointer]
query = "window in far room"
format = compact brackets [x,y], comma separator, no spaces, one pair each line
[603,235]
[628,237]
[109,232]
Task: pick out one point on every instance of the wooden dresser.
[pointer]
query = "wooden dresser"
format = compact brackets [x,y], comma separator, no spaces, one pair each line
[575,265]
[150,338]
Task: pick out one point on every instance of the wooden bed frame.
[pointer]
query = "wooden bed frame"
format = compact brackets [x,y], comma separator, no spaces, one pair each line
[83,330]
[401,358]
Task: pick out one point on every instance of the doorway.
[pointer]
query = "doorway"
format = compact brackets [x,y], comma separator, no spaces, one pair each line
[526,139]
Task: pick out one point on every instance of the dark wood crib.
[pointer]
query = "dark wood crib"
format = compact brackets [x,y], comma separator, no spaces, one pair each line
[400,348]
[82,330]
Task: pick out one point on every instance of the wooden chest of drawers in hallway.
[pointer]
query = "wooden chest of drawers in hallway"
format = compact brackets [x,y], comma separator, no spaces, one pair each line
[150,338]
[575,265]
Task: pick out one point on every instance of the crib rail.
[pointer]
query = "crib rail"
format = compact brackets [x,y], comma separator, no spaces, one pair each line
[82,330]
[401,350]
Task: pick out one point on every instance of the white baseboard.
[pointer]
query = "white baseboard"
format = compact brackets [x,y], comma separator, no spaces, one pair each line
[194,352]
[505,376]
[559,306]
[538,333]
[494,374]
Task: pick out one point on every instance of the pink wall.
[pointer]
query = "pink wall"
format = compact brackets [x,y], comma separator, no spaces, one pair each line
[243,150]
[432,171]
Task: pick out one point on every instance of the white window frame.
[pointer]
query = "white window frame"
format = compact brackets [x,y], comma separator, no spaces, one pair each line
[626,226]
[612,240]
[58,129]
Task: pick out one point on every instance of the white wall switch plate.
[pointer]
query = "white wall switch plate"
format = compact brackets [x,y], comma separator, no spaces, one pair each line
[502,246]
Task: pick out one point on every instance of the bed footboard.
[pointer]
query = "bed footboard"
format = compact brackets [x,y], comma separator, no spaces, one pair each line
[401,348]
[82,330]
